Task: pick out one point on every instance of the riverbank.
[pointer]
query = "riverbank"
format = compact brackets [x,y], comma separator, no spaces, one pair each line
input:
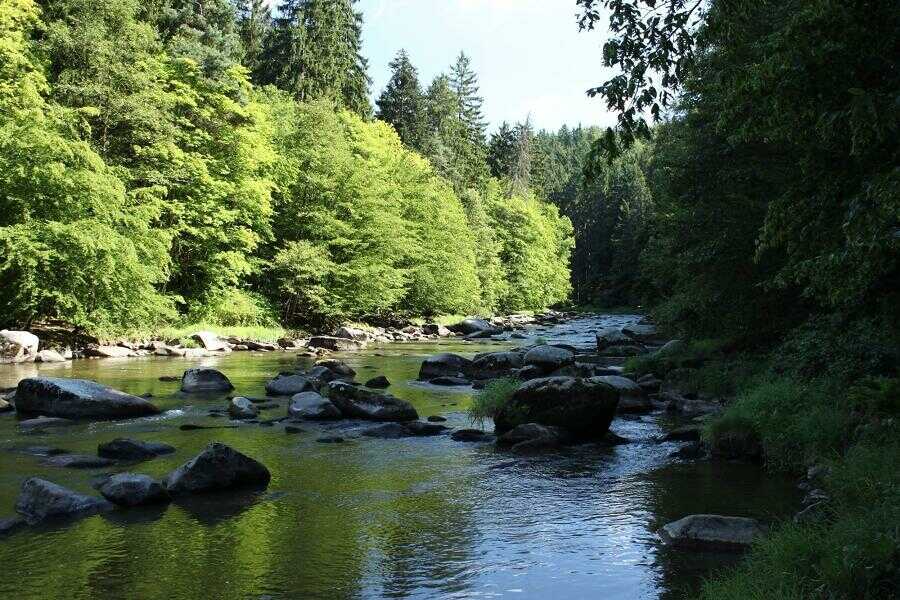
[839,438]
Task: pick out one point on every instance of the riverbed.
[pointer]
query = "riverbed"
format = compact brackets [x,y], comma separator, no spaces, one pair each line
[371,518]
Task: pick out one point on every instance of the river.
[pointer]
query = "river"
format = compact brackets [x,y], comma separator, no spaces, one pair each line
[372,518]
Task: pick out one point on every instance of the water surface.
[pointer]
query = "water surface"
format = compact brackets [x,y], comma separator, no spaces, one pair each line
[409,518]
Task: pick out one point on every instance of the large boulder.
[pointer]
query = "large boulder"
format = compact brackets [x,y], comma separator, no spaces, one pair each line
[17,346]
[78,399]
[204,379]
[313,407]
[548,358]
[491,365]
[211,341]
[475,326]
[242,409]
[713,532]
[129,449]
[358,402]
[444,365]
[40,499]
[335,344]
[288,385]
[646,333]
[129,489]
[583,407]
[379,382]
[351,333]
[218,467]
[632,398]
[435,329]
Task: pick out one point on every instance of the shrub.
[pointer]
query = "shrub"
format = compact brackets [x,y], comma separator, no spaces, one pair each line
[492,398]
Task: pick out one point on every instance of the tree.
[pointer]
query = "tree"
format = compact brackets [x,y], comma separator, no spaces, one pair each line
[402,103]
[464,83]
[254,22]
[520,176]
[203,30]
[502,151]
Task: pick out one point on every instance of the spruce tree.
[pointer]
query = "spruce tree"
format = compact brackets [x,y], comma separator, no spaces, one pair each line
[254,20]
[502,151]
[520,177]
[402,103]
[464,83]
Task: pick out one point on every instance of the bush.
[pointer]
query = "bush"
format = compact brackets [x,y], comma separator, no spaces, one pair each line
[487,403]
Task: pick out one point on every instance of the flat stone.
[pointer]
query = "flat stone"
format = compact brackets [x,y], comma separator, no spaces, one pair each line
[77,461]
[78,399]
[288,385]
[108,351]
[43,423]
[129,489]
[471,435]
[712,532]
[335,344]
[314,407]
[40,500]
[129,449]
[445,364]
[49,356]
[548,358]
[210,341]
[450,381]
[360,403]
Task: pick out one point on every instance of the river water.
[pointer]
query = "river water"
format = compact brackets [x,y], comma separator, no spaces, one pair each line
[370,518]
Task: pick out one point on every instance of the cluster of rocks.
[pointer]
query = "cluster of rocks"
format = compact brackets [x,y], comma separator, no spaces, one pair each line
[218,467]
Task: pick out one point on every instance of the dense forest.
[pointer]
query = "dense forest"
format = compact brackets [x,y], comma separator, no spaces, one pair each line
[172,161]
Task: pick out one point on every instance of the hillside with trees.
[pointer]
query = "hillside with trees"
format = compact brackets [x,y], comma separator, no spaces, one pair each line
[166,161]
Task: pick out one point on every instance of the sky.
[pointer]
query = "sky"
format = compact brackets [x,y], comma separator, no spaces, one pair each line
[529,55]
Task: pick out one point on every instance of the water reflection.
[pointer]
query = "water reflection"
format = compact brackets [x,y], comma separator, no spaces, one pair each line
[408,518]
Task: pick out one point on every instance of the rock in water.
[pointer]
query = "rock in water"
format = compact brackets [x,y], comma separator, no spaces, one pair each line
[41,499]
[128,449]
[712,532]
[549,358]
[444,365]
[129,489]
[435,329]
[242,409]
[312,406]
[340,369]
[335,343]
[632,398]
[288,385]
[495,364]
[475,326]
[49,356]
[360,403]
[219,467]
[77,461]
[17,346]
[210,341]
[583,407]
[78,399]
[379,382]
[205,380]
[107,351]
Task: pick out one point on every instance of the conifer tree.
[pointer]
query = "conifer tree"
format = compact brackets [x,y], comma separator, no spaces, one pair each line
[502,151]
[254,20]
[402,103]
[464,83]
[520,177]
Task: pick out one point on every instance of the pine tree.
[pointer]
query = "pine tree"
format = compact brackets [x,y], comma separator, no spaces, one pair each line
[314,52]
[520,177]
[464,83]
[502,151]
[402,103]
[254,20]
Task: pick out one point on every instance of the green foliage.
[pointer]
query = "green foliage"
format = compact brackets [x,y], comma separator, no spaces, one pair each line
[488,402]
[402,103]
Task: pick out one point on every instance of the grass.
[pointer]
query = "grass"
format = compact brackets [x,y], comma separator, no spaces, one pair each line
[491,399]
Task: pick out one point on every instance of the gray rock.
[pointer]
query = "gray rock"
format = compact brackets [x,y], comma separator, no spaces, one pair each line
[491,365]
[450,381]
[210,341]
[583,407]
[475,326]
[331,439]
[548,358]
[312,406]
[288,385]
[218,467]
[471,435]
[17,346]
[10,525]
[49,356]
[205,380]
[242,409]
[712,532]
[77,461]
[645,333]
[358,402]
[687,433]
[612,336]
[5,406]
[78,399]
[351,333]
[129,449]
[379,382]
[341,369]
[40,499]
[108,351]
[40,424]
[403,430]
[632,398]
[529,432]
[335,344]
[435,329]
[436,419]
[129,489]
[444,365]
